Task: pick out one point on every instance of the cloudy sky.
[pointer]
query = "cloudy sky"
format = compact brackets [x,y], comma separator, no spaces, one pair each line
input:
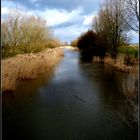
[67,18]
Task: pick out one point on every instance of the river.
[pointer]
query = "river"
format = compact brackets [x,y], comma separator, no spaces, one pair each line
[80,101]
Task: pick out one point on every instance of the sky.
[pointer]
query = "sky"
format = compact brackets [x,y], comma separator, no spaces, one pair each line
[67,18]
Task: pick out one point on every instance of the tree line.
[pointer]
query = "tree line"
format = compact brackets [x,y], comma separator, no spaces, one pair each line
[109,28]
[21,33]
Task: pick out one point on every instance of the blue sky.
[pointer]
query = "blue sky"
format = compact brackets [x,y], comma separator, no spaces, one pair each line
[67,18]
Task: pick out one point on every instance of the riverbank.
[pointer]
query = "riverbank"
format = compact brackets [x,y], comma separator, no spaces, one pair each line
[84,96]
[119,63]
[28,66]
[70,47]
[129,89]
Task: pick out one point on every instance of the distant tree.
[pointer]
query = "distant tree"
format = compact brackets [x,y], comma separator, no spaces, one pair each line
[74,43]
[66,43]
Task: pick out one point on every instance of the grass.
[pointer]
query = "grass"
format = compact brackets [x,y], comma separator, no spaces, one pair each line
[28,66]
[120,64]
[129,50]
[126,61]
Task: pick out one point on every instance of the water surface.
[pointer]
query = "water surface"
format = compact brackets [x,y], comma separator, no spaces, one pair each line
[81,101]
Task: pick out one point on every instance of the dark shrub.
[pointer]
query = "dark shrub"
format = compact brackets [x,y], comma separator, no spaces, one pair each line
[91,45]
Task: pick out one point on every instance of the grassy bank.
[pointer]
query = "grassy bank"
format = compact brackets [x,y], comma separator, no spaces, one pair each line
[129,50]
[126,61]
[28,66]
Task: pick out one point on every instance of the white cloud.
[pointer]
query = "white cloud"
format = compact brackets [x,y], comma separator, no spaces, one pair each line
[77,18]
[14,11]
[57,16]
[69,33]
[53,16]
[4,10]
[89,18]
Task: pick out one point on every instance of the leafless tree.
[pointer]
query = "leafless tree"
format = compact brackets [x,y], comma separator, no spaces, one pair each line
[110,24]
[34,31]
[5,39]
[22,33]
[132,8]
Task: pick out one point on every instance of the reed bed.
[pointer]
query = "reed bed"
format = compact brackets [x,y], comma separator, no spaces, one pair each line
[119,63]
[28,66]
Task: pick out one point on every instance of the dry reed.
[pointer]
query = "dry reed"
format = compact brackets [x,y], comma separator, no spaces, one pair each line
[118,64]
[28,66]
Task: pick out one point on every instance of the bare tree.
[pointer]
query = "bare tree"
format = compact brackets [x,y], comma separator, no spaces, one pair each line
[111,26]
[5,39]
[34,31]
[132,8]
[22,33]
[13,29]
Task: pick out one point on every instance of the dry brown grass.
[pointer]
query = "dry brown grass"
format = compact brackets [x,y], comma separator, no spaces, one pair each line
[118,64]
[28,66]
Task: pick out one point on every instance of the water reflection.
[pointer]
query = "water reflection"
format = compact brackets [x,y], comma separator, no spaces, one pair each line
[80,101]
[25,92]
[112,92]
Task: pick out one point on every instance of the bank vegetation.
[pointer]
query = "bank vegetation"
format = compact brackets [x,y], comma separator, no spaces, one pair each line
[22,33]
[28,48]
[28,67]
[108,41]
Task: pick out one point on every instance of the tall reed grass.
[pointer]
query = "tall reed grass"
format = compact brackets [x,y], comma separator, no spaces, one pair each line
[119,63]
[28,66]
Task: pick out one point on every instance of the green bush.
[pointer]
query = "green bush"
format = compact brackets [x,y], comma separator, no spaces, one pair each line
[130,51]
